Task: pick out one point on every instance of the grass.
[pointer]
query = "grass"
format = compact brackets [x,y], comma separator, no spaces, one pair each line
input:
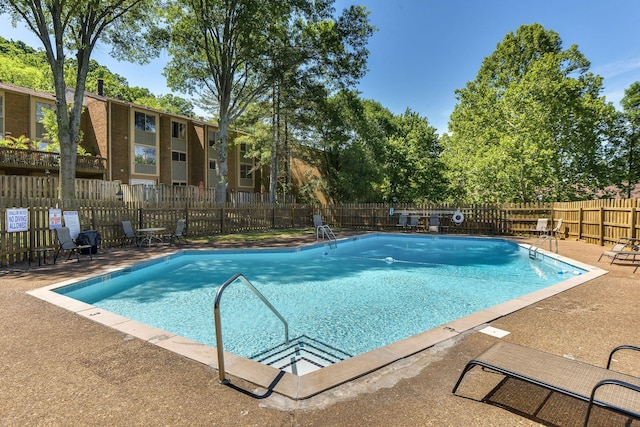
[253,236]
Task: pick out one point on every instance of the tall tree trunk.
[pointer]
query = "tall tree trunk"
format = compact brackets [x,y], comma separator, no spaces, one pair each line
[275,145]
[222,146]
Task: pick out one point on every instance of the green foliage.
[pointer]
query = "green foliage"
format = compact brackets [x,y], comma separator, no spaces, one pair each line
[369,154]
[627,151]
[413,169]
[24,66]
[21,142]
[532,124]
[50,124]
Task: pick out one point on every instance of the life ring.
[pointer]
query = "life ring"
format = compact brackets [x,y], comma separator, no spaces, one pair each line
[457,218]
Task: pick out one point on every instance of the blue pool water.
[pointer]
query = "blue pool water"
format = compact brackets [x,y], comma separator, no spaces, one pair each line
[364,294]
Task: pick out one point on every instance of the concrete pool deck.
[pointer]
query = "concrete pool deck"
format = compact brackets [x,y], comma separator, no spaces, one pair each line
[63,369]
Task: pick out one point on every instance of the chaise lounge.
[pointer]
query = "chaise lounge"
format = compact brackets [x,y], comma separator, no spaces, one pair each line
[598,386]
[623,250]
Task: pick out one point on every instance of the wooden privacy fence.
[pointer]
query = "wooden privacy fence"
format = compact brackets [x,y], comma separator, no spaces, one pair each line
[599,222]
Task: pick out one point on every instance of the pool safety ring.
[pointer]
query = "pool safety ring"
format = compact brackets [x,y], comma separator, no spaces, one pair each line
[457,218]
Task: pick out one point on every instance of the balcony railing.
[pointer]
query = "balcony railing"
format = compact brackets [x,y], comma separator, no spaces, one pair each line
[12,158]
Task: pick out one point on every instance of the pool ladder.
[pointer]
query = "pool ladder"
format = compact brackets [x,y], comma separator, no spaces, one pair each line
[328,233]
[216,315]
[540,241]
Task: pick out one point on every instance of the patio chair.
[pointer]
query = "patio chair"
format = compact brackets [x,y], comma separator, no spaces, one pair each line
[413,222]
[623,250]
[434,223]
[178,234]
[557,229]
[322,229]
[598,386]
[66,243]
[130,236]
[402,221]
[541,226]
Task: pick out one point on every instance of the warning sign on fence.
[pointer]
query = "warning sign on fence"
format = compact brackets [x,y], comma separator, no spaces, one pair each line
[17,220]
[55,218]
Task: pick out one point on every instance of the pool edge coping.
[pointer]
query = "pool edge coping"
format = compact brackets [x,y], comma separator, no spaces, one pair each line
[308,385]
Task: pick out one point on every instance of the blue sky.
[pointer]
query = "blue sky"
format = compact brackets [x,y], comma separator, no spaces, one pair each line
[425,49]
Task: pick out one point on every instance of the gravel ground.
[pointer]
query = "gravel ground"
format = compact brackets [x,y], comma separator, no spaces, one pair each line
[59,369]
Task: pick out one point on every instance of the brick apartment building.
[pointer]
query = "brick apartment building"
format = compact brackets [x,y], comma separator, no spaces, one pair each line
[127,142]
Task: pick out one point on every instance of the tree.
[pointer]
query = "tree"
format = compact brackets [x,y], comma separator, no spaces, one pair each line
[531,126]
[73,28]
[234,52]
[413,169]
[312,56]
[628,152]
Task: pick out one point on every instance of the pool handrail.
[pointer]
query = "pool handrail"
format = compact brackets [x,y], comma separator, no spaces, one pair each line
[216,315]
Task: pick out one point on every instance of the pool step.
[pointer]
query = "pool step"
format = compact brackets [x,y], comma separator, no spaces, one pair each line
[301,356]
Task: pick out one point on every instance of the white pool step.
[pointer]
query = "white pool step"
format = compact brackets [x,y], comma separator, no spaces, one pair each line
[301,356]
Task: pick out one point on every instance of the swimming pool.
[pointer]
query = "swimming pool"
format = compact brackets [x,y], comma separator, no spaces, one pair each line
[400,279]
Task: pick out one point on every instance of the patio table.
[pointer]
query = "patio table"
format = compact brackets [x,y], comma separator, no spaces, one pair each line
[151,235]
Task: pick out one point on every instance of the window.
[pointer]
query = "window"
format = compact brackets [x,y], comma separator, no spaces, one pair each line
[245,164]
[145,122]
[40,131]
[145,155]
[213,136]
[212,156]
[145,143]
[245,172]
[176,156]
[178,130]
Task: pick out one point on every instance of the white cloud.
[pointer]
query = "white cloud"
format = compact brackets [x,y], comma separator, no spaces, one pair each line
[618,68]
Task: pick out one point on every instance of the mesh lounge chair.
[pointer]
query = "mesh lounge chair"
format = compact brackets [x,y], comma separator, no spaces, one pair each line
[434,223]
[67,244]
[402,221]
[598,386]
[413,222]
[177,235]
[623,250]
[130,236]
[557,229]
[542,226]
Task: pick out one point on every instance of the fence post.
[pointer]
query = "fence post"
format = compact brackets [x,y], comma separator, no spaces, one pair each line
[293,216]
[601,226]
[273,216]
[94,224]
[580,223]
[186,219]
[632,222]
[221,220]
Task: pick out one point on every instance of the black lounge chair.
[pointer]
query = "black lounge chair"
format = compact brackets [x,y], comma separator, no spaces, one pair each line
[598,386]
[66,243]
[130,236]
[402,221]
[177,235]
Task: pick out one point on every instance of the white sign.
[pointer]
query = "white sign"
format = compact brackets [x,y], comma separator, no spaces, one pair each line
[55,218]
[72,222]
[17,220]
